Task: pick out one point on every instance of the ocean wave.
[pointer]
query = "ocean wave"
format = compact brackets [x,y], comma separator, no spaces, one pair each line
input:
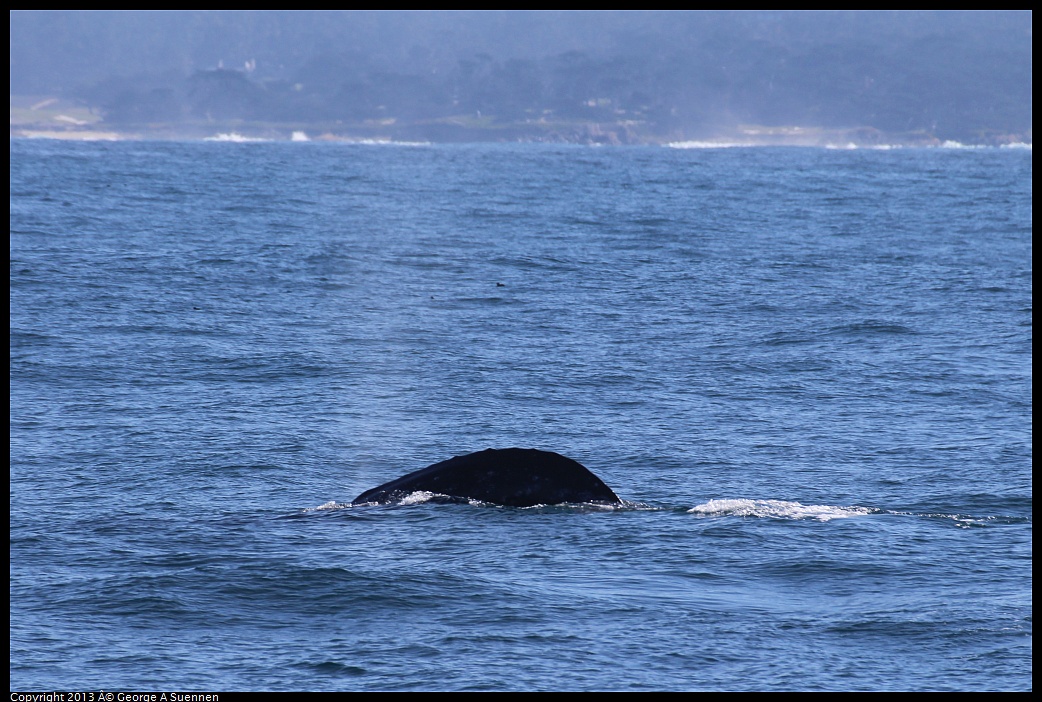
[778,509]
[952,144]
[234,137]
[327,506]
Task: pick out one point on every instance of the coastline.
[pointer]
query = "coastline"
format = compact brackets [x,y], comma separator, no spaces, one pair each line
[42,117]
[56,121]
[827,139]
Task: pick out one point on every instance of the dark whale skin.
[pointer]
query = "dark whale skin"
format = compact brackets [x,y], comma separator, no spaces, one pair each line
[514,477]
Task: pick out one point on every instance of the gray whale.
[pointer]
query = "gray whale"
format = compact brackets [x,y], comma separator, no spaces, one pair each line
[514,477]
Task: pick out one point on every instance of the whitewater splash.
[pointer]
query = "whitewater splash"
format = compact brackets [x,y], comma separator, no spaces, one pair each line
[770,509]
[234,137]
[420,497]
[414,498]
[332,504]
[779,509]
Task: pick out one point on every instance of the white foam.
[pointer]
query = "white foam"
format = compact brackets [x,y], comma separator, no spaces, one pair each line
[951,144]
[779,509]
[234,137]
[332,504]
[417,498]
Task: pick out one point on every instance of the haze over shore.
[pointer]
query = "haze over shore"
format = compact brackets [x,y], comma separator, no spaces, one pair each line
[866,78]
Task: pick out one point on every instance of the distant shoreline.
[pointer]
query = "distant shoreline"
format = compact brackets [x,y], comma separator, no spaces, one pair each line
[592,135]
[55,118]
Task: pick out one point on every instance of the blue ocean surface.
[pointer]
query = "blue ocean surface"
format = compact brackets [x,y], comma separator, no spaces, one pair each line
[807,372]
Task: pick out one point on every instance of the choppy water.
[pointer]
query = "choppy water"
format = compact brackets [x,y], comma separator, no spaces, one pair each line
[807,372]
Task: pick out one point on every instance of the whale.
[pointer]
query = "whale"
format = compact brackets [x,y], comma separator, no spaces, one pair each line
[512,477]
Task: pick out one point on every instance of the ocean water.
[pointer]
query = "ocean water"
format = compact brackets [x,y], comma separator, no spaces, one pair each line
[806,371]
